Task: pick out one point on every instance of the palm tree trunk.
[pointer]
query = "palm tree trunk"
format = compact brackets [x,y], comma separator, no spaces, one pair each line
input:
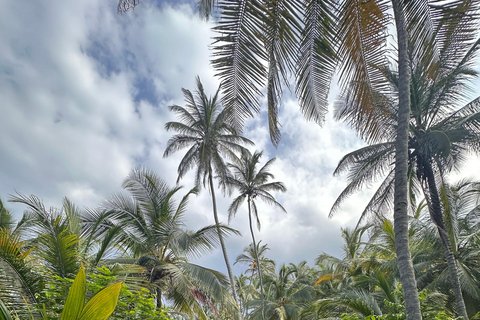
[436,215]
[159,297]
[222,242]
[256,258]
[404,259]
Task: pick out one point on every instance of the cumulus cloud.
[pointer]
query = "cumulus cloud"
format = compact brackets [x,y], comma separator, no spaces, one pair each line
[84,96]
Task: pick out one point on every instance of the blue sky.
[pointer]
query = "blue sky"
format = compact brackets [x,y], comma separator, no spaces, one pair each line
[84,95]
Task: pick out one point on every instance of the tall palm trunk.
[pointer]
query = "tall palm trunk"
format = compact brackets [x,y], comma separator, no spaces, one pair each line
[159,297]
[404,259]
[222,242]
[262,298]
[435,209]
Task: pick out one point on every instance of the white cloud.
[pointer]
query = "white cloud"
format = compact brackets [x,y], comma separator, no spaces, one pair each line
[84,96]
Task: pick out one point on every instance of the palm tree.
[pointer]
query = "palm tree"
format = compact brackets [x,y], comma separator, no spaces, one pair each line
[18,282]
[286,293]
[6,219]
[460,216]
[249,258]
[439,133]
[55,232]
[147,224]
[245,292]
[364,281]
[205,130]
[252,183]
[253,257]
[310,38]
[358,258]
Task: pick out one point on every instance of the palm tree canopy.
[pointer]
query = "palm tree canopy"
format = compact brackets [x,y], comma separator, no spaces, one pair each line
[248,258]
[286,293]
[252,183]
[147,224]
[147,221]
[205,130]
[267,43]
[56,233]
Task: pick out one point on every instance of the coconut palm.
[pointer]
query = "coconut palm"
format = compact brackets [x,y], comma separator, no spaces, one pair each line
[204,129]
[245,292]
[55,233]
[460,216]
[358,258]
[253,183]
[6,219]
[286,293]
[441,130]
[365,280]
[148,225]
[150,228]
[253,257]
[249,258]
[263,42]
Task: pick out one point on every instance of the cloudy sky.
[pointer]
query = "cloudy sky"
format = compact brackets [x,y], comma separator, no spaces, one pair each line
[83,99]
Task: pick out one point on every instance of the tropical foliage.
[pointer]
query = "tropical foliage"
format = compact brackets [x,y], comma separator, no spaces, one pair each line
[262,43]
[153,250]
[148,227]
[134,302]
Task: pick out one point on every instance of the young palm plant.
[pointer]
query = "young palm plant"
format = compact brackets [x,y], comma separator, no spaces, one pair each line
[205,130]
[148,225]
[253,183]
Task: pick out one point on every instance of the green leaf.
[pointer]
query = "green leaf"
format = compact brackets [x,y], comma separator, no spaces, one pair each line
[102,305]
[4,313]
[76,297]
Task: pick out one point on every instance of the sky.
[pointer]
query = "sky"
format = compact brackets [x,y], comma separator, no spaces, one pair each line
[83,98]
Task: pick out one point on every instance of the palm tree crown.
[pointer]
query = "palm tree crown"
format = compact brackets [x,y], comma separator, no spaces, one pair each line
[205,130]
[252,183]
[148,225]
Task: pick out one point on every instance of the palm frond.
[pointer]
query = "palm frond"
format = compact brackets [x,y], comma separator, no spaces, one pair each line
[317,58]
[12,251]
[236,203]
[282,28]
[6,218]
[239,57]
[362,53]
[364,166]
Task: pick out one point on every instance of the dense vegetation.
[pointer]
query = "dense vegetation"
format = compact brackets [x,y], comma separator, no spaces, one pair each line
[159,283]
